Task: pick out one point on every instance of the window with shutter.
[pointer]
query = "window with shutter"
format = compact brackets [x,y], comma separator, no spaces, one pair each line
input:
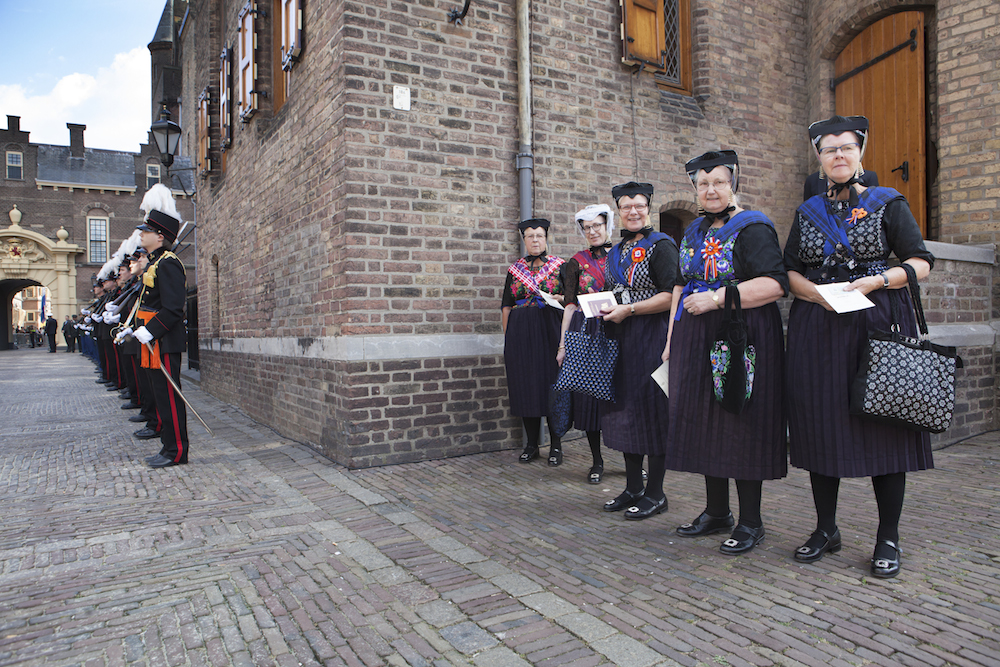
[204,156]
[225,101]
[291,32]
[657,35]
[279,75]
[247,49]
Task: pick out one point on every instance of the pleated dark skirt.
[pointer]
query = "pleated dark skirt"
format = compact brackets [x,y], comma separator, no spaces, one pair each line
[529,353]
[824,352]
[586,408]
[706,439]
[636,423]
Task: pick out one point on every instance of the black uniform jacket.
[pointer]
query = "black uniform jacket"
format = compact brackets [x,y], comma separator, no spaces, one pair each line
[166,293]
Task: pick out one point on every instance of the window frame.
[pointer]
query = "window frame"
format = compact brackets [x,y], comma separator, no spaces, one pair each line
[247,61]
[91,219]
[19,166]
[150,168]
[635,29]
[203,157]
[291,33]
[225,100]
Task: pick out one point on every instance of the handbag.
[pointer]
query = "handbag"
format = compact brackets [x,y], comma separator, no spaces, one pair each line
[560,410]
[732,382]
[589,365]
[904,381]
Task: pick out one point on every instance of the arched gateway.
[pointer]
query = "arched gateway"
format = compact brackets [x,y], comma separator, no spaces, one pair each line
[28,258]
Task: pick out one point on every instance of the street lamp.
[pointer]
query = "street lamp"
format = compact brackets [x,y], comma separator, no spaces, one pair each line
[167,135]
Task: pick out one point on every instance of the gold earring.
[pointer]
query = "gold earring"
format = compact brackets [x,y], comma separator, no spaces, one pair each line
[822,174]
[732,198]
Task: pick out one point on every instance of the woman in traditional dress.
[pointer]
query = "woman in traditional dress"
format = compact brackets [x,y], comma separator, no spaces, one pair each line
[847,235]
[531,336]
[641,272]
[728,248]
[584,274]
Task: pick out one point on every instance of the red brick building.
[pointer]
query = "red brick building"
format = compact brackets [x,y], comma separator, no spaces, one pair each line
[75,206]
[361,168]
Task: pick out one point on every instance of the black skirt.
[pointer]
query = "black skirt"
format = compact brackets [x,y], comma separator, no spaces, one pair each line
[586,408]
[636,423]
[824,352]
[529,353]
[708,440]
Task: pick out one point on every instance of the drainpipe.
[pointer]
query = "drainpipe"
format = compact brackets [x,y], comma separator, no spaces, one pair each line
[525,158]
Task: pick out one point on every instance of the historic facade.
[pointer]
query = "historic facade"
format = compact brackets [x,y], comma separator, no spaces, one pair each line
[361,168]
[74,206]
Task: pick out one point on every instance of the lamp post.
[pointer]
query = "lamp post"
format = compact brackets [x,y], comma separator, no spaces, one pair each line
[167,135]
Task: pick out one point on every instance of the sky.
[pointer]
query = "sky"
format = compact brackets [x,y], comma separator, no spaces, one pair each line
[82,61]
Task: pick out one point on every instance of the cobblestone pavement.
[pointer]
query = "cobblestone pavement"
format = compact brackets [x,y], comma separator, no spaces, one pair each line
[262,552]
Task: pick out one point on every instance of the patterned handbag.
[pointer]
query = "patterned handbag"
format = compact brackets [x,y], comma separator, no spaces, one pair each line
[732,382]
[560,410]
[589,366]
[904,381]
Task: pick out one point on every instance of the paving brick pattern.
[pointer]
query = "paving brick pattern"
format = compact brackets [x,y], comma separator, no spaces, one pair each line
[261,552]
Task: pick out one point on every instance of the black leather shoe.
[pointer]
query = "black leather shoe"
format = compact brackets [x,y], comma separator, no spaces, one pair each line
[886,568]
[555,456]
[146,433]
[742,540]
[528,455]
[137,418]
[596,474]
[114,387]
[625,499]
[706,524]
[131,406]
[817,545]
[100,380]
[163,462]
[645,508]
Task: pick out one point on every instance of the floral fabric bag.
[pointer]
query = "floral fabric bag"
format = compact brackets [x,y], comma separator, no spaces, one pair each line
[732,380]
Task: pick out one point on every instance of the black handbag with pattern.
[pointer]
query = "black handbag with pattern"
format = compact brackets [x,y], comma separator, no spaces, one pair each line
[906,381]
[589,366]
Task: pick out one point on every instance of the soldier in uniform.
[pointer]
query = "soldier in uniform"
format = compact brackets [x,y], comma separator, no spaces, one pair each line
[161,316]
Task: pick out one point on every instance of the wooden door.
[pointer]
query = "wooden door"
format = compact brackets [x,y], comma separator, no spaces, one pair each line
[880,75]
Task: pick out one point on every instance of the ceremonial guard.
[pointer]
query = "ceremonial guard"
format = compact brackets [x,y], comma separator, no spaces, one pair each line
[160,320]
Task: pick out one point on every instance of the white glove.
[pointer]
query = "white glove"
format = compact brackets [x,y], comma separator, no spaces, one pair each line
[142,335]
[87,319]
[98,317]
[123,334]
[112,319]
[85,311]
[112,308]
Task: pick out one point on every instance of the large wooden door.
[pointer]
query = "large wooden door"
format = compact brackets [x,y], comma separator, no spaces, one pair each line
[888,88]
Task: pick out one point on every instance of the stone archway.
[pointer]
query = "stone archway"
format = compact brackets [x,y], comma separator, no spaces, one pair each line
[675,216]
[28,258]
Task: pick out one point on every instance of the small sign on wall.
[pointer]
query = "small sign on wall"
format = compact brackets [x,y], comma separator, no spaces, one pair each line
[401,98]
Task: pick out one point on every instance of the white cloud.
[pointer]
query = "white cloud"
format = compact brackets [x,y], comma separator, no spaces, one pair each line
[114,104]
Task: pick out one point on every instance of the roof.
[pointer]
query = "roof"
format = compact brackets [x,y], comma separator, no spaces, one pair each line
[112,169]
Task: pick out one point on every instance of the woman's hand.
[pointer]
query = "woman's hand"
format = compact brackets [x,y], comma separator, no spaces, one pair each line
[866,285]
[803,288]
[617,314]
[560,355]
[700,303]
[665,357]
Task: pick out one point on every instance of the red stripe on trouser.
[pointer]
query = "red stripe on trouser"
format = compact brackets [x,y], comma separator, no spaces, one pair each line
[135,374]
[118,366]
[165,360]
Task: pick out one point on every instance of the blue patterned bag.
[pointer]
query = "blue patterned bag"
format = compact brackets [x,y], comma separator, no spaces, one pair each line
[560,411]
[589,366]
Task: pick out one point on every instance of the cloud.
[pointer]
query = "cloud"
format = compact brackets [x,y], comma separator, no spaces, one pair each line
[114,104]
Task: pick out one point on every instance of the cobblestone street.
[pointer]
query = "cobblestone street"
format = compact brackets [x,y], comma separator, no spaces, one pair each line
[261,552]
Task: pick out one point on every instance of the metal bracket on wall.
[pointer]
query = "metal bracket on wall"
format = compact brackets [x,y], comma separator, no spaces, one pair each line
[911,42]
[455,16]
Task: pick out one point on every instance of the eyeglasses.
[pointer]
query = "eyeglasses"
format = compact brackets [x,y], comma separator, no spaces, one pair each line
[718,185]
[846,149]
[592,228]
[532,237]
[639,208]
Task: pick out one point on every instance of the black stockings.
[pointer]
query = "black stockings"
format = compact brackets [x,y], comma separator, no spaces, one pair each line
[533,431]
[633,475]
[594,438]
[889,492]
[749,492]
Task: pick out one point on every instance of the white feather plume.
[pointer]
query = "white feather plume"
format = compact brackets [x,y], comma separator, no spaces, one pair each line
[159,198]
